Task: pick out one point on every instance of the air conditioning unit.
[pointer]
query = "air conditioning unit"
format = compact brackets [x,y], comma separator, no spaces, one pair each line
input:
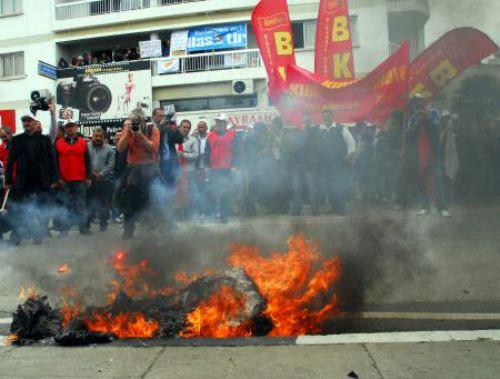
[242,87]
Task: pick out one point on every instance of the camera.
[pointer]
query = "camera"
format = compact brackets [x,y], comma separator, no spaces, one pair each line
[86,94]
[40,101]
[136,126]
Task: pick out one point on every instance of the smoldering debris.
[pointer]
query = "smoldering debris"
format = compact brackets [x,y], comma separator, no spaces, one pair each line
[35,320]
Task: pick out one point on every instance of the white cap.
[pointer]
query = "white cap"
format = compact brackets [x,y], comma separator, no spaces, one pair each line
[70,122]
[221,117]
[29,114]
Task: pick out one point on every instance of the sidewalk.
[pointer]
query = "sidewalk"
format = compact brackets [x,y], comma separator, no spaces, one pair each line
[467,359]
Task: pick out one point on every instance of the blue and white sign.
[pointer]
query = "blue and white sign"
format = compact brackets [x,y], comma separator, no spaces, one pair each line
[218,38]
[47,70]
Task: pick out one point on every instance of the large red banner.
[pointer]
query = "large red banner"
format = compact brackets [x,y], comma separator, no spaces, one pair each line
[333,56]
[371,98]
[273,31]
[447,58]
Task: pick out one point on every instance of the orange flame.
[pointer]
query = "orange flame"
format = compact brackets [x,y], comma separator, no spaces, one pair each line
[70,309]
[123,325]
[64,269]
[11,339]
[27,293]
[297,285]
[217,316]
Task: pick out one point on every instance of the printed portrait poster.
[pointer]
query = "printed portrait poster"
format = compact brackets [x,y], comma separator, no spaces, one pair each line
[104,92]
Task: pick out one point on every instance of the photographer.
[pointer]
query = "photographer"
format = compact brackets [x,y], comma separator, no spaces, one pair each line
[142,142]
[31,160]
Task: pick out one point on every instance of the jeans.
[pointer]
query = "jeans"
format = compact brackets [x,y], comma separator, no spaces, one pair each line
[75,203]
[99,197]
[432,188]
[222,183]
[304,180]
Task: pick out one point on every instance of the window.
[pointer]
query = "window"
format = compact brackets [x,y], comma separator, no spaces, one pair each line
[213,103]
[11,7]
[11,65]
[304,33]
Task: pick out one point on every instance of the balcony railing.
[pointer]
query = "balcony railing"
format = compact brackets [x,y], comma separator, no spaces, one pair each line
[225,60]
[70,9]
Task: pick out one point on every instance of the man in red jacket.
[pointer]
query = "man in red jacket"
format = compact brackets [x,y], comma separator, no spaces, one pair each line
[220,153]
[73,163]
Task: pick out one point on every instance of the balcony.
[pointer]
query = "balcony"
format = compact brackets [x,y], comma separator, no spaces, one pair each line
[211,67]
[71,9]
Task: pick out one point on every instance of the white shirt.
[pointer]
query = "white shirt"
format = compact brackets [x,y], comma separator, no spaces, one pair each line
[346,134]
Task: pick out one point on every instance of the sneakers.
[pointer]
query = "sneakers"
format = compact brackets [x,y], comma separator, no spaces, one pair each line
[445,214]
[423,212]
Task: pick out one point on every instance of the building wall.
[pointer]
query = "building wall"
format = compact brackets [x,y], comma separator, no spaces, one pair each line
[41,37]
[449,14]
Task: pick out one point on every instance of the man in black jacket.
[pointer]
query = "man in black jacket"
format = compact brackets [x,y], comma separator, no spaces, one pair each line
[169,137]
[31,172]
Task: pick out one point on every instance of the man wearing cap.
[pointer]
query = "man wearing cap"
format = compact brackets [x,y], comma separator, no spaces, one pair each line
[73,162]
[32,157]
[220,153]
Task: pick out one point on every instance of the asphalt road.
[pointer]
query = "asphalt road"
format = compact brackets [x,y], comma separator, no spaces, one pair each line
[401,273]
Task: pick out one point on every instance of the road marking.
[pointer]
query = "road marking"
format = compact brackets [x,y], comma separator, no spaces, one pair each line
[5,320]
[400,337]
[425,316]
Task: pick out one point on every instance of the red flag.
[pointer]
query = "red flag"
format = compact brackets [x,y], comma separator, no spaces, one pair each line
[273,31]
[371,98]
[333,57]
[447,58]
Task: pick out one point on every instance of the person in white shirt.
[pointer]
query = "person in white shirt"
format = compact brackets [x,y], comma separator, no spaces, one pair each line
[337,148]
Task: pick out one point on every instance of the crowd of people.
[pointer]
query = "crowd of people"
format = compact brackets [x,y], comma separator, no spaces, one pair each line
[118,54]
[159,172]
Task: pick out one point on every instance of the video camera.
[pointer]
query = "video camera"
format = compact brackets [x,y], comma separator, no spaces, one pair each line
[40,100]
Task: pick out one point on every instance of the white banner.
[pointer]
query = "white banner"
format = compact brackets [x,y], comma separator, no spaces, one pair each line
[150,48]
[168,65]
[179,43]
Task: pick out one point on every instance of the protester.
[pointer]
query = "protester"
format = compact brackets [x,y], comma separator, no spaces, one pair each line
[423,134]
[449,129]
[142,142]
[337,152]
[188,152]
[278,199]
[203,202]
[220,152]
[102,162]
[255,161]
[73,162]
[170,136]
[31,158]
[5,139]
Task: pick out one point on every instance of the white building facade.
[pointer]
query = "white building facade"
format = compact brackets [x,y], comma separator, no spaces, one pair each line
[47,30]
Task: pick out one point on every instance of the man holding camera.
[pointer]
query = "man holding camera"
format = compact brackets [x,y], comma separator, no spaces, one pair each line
[74,172]
[142,143]
[31,160]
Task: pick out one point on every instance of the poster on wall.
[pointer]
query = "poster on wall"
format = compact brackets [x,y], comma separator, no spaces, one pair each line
[104,92]
[221,37]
